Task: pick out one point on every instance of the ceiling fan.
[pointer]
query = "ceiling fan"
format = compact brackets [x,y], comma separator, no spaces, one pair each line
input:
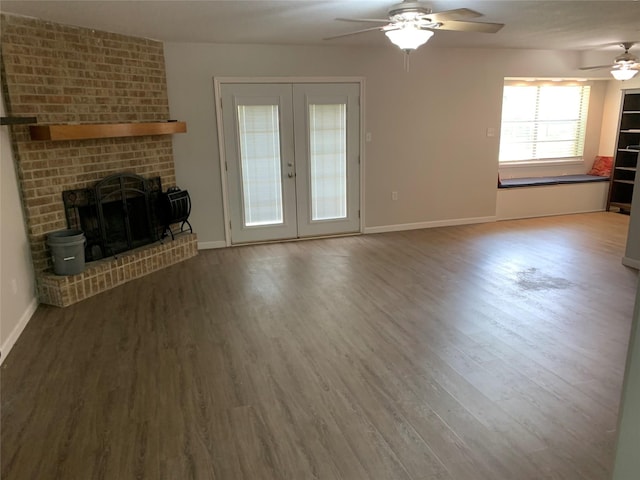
[625,66]
[411,24]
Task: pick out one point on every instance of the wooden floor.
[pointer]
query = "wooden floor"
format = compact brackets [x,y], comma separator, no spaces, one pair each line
[491,351]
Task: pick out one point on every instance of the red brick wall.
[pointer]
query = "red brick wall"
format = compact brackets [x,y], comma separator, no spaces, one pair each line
[61,75]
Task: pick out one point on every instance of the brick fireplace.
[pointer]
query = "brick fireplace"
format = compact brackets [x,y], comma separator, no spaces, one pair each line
[67,75]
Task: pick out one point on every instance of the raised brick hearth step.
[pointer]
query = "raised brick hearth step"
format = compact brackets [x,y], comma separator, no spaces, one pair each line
[105,274]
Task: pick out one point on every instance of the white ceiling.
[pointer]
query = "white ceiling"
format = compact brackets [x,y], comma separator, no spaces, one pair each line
[565,25]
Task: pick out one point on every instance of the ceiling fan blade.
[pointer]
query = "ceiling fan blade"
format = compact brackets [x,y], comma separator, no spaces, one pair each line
[449,15]
[482,27]
[352,33]
[360,20]
[598,67]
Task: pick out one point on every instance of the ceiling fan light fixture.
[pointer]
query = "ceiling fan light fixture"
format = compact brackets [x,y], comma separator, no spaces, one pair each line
[623,73]
[409,36]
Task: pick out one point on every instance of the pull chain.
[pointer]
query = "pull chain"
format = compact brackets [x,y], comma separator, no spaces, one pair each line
[406,60]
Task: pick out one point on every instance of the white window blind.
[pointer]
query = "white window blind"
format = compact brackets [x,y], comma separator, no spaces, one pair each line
[259,134]
[543,122]
[328,151]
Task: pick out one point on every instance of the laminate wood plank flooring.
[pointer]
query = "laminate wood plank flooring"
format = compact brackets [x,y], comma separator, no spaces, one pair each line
[479,352]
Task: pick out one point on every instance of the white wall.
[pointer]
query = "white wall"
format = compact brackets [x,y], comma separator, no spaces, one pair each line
[627,463]
[17,287]
[428,125]
[632,251]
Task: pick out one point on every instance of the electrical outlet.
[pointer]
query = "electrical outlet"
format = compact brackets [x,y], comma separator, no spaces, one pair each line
[367,137]
[14,286]
[394,195]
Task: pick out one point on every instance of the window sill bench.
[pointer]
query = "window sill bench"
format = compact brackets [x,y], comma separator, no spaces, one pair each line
[562,195]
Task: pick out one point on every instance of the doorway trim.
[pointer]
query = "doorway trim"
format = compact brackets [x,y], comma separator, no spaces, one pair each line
[217,92]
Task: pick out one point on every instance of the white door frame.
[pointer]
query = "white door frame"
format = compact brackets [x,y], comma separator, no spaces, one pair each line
[217,83]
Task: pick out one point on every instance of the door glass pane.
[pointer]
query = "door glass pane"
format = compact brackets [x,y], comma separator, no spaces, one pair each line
[328,161]
[259,133]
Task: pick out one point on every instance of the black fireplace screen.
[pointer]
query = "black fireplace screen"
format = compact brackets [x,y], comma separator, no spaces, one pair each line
[118,214]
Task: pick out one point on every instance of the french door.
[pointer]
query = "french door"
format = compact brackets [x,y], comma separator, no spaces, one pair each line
[292,156]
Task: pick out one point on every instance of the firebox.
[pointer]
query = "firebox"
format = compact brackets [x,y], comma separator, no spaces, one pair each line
[118,214]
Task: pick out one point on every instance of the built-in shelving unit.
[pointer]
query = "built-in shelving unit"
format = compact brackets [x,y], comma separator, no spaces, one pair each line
[105,130]
[627,153]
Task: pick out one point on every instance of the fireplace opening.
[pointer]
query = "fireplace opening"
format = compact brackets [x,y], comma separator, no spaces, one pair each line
[118,214]
[125,214]
[126,224]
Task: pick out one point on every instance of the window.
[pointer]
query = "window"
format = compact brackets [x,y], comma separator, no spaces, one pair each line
[542,123]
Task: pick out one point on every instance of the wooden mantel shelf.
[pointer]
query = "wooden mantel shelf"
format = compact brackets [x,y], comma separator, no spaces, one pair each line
[104,130]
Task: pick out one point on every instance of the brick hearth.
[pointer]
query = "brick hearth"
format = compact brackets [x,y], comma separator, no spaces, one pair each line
[103,275]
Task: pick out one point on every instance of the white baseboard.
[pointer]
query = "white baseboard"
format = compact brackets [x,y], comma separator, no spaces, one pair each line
[22,323]
[631,262]
[437,223]
[210,245]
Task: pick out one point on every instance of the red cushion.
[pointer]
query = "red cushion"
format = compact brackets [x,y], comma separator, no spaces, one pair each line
[601,166]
